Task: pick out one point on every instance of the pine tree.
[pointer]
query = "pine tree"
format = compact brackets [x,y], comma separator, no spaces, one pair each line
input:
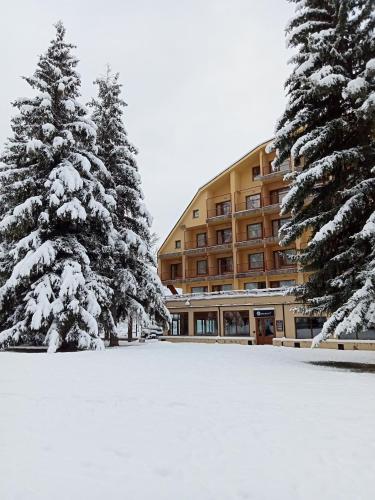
[329,127]
[56,221]
[137,287]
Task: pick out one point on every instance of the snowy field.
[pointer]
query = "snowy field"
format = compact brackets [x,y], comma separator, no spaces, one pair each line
[186,422]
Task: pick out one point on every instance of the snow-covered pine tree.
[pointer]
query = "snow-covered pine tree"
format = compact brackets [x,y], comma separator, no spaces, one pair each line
[137,288]
[56,224]
[329,126]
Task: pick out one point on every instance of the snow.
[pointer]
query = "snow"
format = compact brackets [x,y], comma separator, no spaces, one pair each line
[190,421]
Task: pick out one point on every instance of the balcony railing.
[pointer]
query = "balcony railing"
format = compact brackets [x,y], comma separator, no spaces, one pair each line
[169,276]
[212,271]
[284,168]
[265,267]
[210,242]
[263,202]
[245,237]
[219,206]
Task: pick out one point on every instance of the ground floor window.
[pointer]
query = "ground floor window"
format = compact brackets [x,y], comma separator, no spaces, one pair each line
[282,283]
[308,327]
[180,324]
[199,289]
[205,323]
[255,285]
[222,288]
[364,335]
[236,323]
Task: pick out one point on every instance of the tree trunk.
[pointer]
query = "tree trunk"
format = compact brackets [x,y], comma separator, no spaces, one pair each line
[113,340]
[130,330]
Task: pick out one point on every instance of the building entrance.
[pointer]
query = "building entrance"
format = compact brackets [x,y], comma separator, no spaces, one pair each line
[265,329]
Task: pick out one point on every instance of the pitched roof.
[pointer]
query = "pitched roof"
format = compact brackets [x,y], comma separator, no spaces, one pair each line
[207,184]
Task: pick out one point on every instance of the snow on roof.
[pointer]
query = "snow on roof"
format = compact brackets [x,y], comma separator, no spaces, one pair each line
[265,292]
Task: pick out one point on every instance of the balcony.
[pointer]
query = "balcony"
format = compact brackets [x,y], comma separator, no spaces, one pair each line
[244,270]
[212,245]
[266,268]
[269,174]
[261,204]
[245,241]
[170,278]
[286,269]
[194,247]
[219,208]
[212,273]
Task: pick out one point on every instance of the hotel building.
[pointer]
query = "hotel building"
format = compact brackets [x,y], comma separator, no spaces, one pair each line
[223,256]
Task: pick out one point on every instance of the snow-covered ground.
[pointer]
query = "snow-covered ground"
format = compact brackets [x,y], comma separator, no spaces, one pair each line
[186,422]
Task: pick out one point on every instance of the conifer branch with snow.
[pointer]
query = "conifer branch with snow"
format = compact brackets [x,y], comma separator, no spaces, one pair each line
[329,126]
[55,219]
[137,287]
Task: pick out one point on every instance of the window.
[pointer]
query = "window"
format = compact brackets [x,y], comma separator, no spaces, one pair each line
[255,285]
[225,265]
[277,196]
[236,323]
[201,240]
[282,283]
[202,267]
[180,324]
[205,323]
[284,258]
[256,261]
[176,271]
[224,236]
[309,327]
[222,288]
[177,244]
[255,173]
[287,283]
[223,208]
[364,335]
[196,213]
[277,224]
[254,231]
[252,201]
[199,289]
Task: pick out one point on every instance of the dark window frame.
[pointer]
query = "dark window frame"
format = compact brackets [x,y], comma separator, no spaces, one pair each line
[309,325]
[197,240]
[236,324]
[209,323]
[254,237]
[249,261]
[220,236]
[180,321]
[206,267]
[224,208]
[256,196]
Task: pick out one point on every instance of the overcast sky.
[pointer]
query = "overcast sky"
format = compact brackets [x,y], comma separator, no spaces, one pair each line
[204,79]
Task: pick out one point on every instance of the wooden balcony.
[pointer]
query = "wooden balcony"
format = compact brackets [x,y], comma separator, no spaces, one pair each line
[169,278]
[263,205]
[244,241]
[267,268]
[244,270]
[219,208]
[269,174]
[212,273]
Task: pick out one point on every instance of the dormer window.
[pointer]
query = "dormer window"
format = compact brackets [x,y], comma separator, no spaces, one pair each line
[196,213]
